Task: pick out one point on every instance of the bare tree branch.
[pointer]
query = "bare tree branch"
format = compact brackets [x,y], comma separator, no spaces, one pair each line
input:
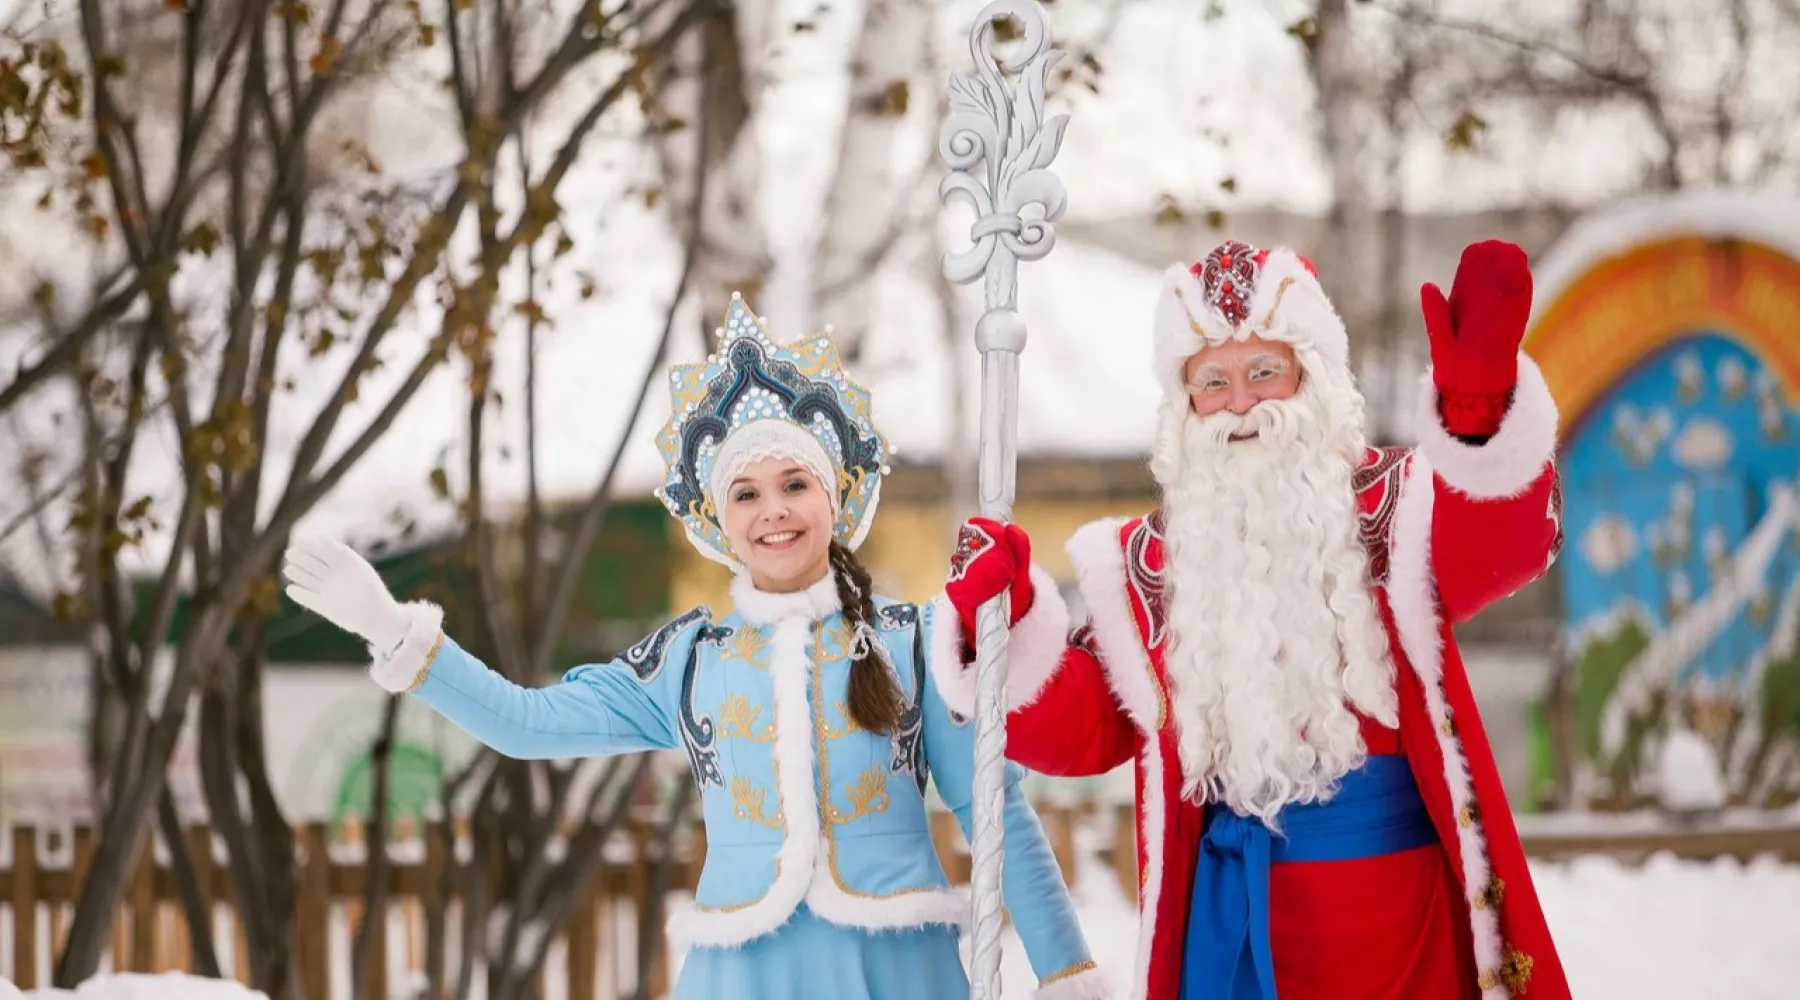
[66,347]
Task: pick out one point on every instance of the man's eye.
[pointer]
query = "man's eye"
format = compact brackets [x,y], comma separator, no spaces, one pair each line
[1263,374]
[1213,385]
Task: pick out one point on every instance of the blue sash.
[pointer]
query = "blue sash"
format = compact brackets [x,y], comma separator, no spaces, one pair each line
[1376,811]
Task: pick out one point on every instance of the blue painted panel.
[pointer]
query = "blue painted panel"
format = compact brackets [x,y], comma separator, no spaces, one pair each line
[1663,483]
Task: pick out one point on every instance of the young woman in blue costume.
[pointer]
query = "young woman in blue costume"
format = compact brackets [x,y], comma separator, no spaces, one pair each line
[810,715]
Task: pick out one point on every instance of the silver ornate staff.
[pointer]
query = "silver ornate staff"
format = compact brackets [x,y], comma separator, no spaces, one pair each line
[989,122]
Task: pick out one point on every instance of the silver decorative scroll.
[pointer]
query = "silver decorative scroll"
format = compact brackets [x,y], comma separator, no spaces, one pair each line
[988,122]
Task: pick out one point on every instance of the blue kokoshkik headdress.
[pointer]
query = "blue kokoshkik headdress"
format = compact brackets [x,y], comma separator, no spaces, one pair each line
[752,400]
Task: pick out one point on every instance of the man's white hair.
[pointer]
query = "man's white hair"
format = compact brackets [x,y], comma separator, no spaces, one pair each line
[1275,637]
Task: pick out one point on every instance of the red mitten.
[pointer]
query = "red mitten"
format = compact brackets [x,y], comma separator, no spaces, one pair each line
[1475,336]
[990,557]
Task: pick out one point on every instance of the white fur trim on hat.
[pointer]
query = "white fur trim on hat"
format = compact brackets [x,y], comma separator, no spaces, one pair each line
[1288,305]
[762,439]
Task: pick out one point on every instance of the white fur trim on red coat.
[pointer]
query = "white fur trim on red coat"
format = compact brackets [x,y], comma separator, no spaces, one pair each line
[1034,649]
[1512,459]
[1088,984]
[1099,560]
[1412,596]
[1289,306]
[404,668]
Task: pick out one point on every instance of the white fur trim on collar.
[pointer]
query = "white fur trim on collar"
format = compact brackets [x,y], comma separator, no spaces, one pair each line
[1034,649]
[1512,459]
[1289,306]
[762,607]
[1099,560]
[405,667]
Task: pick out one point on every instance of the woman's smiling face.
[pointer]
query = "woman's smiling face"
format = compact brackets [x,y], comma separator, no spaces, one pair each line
[778,517]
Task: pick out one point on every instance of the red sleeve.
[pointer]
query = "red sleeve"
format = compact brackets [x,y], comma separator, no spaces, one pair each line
[1496,505]
[1074,727]
[1486,550]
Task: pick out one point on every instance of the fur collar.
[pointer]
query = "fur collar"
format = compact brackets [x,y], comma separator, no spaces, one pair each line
[761,607]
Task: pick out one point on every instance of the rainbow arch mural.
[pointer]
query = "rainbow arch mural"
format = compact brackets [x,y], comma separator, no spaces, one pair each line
[1669,332]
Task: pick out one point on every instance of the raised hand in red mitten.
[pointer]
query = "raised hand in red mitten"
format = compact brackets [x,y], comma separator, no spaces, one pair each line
[990,557]
[1475,336]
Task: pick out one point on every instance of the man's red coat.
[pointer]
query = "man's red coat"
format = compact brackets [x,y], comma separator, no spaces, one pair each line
[1450,528]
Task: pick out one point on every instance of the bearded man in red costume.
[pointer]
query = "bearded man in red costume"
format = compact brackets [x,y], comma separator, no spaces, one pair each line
[1318,810]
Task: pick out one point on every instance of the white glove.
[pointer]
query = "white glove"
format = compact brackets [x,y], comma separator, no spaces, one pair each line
[330,580]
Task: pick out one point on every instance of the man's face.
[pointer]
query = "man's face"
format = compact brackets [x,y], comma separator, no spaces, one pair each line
[1236,375]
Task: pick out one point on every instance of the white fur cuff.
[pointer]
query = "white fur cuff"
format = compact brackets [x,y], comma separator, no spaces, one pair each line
[404,669]
[1034,649]
[1087,984]
[1512,459]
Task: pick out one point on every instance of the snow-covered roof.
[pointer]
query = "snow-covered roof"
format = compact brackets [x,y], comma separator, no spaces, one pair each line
[1594,238]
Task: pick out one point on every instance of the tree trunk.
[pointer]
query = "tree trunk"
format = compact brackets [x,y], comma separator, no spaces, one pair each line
[714,72]
[868,201]
[1349,265]
[127,819]
[375,852]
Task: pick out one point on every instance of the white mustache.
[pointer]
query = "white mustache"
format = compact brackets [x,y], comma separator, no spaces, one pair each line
[1270,422]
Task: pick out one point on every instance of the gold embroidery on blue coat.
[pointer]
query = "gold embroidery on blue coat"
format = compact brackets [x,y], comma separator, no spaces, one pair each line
[747,803]
[868,796]
[839,732]
[832,641]
[750,645]
[737,720]
[821,752]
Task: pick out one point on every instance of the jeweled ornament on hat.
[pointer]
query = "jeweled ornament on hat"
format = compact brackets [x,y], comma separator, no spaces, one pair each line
[1228,279]
[767,400]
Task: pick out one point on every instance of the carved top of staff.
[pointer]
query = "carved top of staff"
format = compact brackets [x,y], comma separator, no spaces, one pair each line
[989,121]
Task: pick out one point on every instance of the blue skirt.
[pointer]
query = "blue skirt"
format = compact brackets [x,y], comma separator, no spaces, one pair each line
[808,958]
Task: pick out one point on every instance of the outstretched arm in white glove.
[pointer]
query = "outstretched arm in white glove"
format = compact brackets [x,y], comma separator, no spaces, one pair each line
[330,580]
[596,710]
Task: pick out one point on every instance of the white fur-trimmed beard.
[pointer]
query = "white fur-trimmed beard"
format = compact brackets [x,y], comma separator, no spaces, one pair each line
[1274,634]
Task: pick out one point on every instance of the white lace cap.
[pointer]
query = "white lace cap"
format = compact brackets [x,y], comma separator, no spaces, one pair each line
[772,438]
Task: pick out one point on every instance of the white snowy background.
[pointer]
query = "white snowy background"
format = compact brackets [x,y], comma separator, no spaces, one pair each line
[1665,930]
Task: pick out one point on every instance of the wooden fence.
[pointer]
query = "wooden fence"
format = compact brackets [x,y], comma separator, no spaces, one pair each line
[150,933]
[331,891]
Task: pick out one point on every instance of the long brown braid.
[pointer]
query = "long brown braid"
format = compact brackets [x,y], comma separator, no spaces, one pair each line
[875,701]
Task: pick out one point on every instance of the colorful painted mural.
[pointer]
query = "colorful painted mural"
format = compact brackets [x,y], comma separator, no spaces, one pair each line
[1676,362]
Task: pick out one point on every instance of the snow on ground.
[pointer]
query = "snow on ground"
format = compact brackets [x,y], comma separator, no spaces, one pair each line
[1715,929]
[1668,930]
[169,986]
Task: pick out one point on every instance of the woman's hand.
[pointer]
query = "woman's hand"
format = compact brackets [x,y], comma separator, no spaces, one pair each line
[330,580]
